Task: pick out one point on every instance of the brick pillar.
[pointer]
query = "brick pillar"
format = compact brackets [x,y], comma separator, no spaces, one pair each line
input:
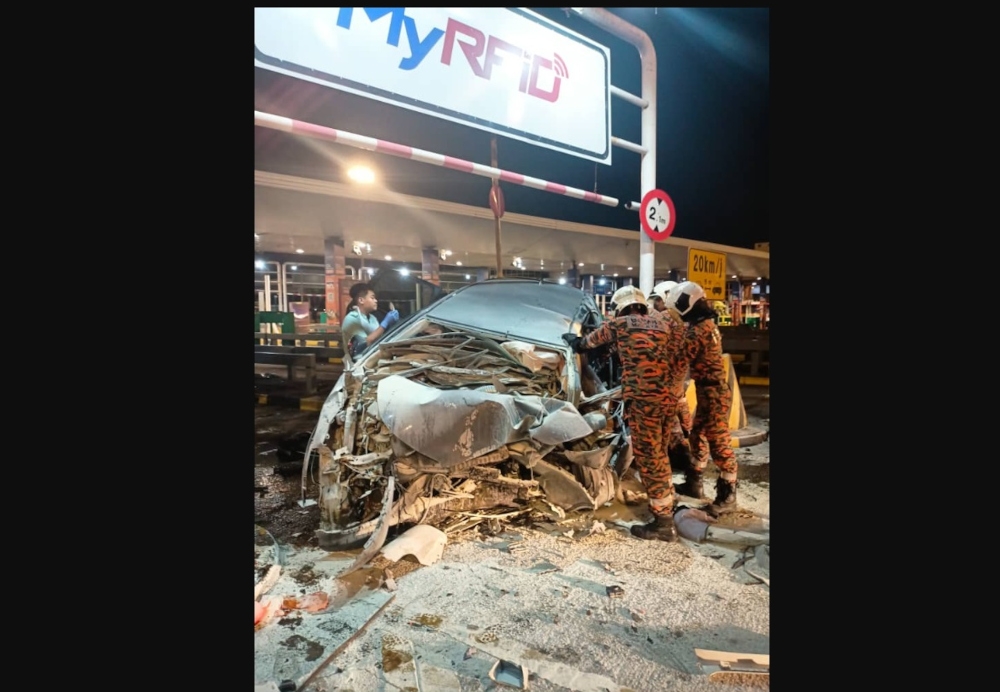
[431,265]
[336,282]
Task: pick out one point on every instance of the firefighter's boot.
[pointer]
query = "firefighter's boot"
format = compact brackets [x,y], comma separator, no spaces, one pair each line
[691,485]
[660,529]
[725,498]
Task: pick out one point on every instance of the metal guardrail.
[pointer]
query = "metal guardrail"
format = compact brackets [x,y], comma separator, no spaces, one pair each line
[323,354]
[327,339]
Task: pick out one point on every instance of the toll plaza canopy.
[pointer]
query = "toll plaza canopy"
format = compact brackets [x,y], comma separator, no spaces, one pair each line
[293,212]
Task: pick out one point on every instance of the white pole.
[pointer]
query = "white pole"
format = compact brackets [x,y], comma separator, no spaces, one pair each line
[647,175]
[267,292]
[261,306]
[282,288]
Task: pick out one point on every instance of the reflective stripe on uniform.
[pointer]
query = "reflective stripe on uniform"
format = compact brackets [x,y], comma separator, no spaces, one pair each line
[660,502]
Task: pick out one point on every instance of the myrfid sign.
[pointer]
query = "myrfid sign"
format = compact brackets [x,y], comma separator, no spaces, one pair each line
[505,70]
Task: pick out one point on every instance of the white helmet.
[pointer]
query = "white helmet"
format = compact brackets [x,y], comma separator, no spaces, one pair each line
[683,296]
[661,289]
[627,295]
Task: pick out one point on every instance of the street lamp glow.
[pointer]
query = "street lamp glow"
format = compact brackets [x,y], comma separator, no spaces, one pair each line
[404,271]
[361,174]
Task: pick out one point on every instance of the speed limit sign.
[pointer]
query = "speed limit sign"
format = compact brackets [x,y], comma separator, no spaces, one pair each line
[656,214]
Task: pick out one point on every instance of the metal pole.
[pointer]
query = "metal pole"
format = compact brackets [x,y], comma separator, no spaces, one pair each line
[647,177]
[282,288]
[496,219]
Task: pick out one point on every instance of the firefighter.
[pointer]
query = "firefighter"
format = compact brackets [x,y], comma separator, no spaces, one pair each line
[679,428]
[703,345]
[648,345]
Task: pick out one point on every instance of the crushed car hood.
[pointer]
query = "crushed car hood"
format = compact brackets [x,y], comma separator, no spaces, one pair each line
[453,426]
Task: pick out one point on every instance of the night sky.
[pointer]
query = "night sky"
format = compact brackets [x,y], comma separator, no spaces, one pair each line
[712,154]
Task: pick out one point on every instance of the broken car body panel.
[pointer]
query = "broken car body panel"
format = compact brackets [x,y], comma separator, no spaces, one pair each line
[474,403]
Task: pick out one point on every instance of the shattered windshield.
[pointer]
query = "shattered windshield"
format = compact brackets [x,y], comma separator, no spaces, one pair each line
[539,311]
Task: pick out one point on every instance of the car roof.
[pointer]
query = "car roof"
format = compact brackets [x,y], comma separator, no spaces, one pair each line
[519,308]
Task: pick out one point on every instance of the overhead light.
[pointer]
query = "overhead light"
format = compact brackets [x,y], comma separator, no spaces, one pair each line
[602,266]
[459,263]
[370,270]
[361,174]
[758,278]
[734,276]
[404,271]
[358,247]
[467,277]
[562,279]
[615,274]
[601,282]
[630,268]
[541,262]
[388,258]
[580,264]
[299,251]
[295,267]
[259,264]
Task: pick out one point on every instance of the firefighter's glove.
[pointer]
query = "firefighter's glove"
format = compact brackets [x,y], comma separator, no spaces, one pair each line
[574,342]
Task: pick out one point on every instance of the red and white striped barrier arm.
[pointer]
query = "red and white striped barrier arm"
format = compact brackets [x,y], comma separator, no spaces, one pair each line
[297,127]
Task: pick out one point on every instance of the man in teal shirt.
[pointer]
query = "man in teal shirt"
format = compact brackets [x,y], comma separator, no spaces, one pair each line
[361,323]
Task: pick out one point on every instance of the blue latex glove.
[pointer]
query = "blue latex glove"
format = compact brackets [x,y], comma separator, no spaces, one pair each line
[391,318]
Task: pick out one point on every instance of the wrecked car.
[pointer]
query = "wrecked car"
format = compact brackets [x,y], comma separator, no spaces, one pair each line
[471,407]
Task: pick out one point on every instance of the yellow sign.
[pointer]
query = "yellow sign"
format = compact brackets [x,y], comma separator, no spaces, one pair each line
[708,270]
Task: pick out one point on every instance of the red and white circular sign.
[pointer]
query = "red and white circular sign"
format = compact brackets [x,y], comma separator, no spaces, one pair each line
[656,214]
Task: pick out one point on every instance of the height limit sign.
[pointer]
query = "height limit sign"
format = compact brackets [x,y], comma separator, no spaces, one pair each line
[656,214]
